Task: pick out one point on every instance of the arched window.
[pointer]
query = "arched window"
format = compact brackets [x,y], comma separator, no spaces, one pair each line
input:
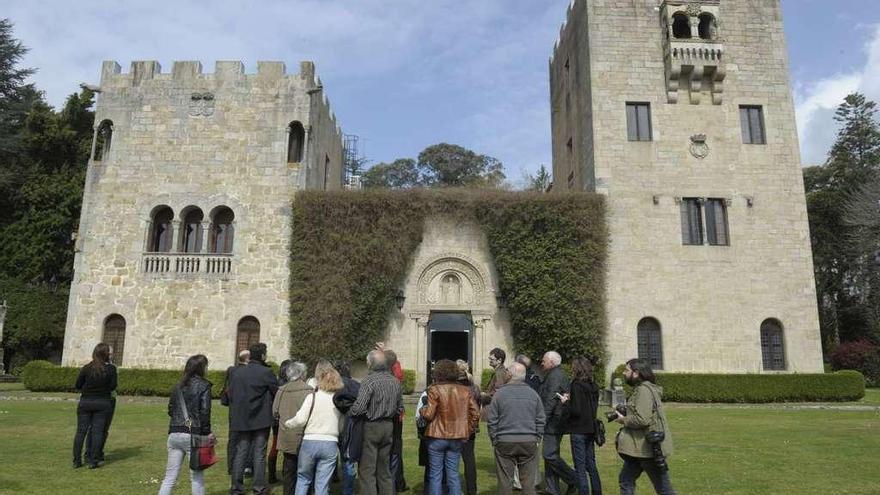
[650,343]
[681,26]
[222,230]
[248,333]
[295,142]
[772,345]
[707,27]
[102,139]
[161,231]
[191,230]
[114,336]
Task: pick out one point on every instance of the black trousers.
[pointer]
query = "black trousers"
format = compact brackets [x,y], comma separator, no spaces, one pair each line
[470,466]
[251,444]
[288,473]
[374,468]
[397,457]
[555,467]
[100,456]
[91,415]
[633,468]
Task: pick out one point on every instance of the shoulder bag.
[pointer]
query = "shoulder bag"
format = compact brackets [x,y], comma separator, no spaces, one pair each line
[201,447]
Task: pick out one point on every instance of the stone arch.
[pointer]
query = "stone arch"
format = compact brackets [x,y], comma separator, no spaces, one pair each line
[472,280]
[708,26]
[681,25]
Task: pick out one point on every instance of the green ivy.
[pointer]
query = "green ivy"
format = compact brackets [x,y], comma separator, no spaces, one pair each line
[351,252]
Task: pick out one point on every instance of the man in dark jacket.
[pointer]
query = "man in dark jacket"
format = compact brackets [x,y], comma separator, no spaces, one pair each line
[349,438]
[516,423]
[232,445]
[533,379]
[251,392]
[555,385]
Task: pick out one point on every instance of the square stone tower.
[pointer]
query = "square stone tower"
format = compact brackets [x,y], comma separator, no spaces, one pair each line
[184,238]
[681,113]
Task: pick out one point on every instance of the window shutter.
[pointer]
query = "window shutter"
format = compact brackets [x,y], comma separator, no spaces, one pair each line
[757,126]
[644,120]
[632,131]
[744,124]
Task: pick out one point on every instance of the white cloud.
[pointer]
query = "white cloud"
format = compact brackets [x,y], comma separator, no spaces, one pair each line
[817,102]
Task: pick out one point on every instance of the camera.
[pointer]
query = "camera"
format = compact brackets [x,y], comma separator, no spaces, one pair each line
[655,439]
[612,415]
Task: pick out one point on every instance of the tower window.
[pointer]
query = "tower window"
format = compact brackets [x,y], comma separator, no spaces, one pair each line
[772,345]
[707,26]
[191,235]
[222,230]
[691,222]
[681,26]
[751,120]
[114,336]
[103,137]
[295,142]
[161,230]
[638,121]
[716,222]
[650,344]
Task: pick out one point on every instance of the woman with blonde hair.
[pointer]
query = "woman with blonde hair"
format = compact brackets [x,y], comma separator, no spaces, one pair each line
[318,452]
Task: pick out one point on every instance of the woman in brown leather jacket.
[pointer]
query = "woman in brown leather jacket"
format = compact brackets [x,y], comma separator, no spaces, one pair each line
[453,416]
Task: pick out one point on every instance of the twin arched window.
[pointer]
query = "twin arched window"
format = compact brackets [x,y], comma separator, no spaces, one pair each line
[191,233]
[681,26]
[707,26]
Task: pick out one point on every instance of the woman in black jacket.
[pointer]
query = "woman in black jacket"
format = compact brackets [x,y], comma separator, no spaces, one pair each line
[195,391]
[582,405]
[96,381]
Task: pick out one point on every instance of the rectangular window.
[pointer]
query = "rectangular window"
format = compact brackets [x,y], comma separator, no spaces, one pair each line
[691,222]
[751,119]
[716,222]
[638,121]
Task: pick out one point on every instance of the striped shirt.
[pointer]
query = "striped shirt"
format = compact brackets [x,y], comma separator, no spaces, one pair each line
[379,397]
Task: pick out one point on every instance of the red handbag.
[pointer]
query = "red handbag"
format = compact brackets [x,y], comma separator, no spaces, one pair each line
[201,447]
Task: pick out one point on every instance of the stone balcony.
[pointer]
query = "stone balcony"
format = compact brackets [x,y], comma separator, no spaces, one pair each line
[695,65]
[187,265]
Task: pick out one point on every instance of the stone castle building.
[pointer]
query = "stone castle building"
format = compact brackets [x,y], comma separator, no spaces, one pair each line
[679,112]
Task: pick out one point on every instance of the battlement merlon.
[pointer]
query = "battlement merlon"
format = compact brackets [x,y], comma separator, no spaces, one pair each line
[187,70]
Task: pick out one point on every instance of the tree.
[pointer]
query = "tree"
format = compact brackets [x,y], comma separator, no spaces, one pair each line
[451,165]
[862,217]
[540,181]
[399,174]
[841,278]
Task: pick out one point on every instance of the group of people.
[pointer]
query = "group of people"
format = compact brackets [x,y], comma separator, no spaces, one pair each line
[331,425]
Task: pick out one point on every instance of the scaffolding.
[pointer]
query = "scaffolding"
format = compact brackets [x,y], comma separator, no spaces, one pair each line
[353,161]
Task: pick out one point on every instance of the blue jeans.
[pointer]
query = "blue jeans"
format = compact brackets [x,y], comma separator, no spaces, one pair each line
[317,460]
[443,456]
[349,474]
[584,454]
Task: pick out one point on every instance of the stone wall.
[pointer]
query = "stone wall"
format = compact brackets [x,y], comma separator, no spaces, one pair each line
[710,300]
[457,248]
[184,139]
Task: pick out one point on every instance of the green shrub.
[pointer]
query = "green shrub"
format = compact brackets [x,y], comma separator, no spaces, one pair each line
[350,252]
[409,381]
[754,388]
[43,376]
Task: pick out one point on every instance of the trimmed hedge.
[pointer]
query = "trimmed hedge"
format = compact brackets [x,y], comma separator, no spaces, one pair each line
[43,376]
[351,251]
[846,385]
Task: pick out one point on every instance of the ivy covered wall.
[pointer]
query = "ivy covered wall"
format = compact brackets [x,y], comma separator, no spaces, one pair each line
[351,251]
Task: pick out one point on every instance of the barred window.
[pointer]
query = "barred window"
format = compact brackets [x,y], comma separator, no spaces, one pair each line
[716,222]
[222,230]
[114,336]
[161,229]
[772,345]
[691,222]
[650,344]
[248,334]
[751,120]
[191,233]
[638,121]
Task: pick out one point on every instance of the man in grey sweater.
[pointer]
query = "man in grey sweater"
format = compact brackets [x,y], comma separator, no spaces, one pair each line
[516,424]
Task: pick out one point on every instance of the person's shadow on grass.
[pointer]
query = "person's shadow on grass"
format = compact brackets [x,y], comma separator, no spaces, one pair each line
[116,455]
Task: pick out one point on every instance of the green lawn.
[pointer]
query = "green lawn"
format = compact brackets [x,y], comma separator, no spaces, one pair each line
[724,450]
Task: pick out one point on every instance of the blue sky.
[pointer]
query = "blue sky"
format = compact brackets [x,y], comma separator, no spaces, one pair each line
[405,74]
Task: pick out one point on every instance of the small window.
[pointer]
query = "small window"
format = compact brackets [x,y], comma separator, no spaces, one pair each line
[114,336]
[751,119]
[161,231]
[248,333]
[772,345]
[638,121]
[707,26]
[569,145]
[571,180]
[691,222]
[103,137]
[716,222]
[222,231]
[650,343]
[681,26]
[295,142]
[191,236]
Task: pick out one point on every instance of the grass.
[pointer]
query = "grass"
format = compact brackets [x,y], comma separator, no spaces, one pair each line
[724,450]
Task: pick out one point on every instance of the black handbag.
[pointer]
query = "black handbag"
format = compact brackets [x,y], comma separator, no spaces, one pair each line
[599,438]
